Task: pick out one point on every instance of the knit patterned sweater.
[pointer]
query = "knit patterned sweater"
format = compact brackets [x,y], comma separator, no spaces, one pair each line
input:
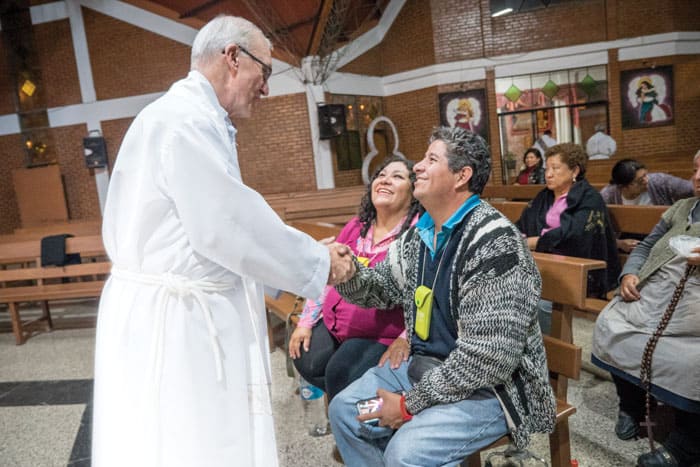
[494,290]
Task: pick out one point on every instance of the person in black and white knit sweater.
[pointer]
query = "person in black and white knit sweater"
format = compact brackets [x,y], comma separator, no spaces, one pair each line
[477,368]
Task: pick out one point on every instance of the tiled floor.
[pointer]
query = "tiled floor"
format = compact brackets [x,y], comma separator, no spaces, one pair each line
[46,387]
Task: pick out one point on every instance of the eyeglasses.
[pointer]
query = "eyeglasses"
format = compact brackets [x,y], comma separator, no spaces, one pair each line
[639,181]
[266,69]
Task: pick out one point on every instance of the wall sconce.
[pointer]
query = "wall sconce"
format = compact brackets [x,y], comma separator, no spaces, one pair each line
[28,88]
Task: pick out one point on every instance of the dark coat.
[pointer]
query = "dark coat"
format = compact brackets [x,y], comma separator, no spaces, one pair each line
[586,232]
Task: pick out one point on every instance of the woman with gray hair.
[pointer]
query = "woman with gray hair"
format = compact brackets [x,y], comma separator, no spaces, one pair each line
[648,336]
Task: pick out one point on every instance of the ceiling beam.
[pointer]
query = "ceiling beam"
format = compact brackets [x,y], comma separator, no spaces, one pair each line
[198,9]
[324,13]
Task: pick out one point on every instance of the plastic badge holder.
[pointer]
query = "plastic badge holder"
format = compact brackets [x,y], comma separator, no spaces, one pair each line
[683,245]
[424,308]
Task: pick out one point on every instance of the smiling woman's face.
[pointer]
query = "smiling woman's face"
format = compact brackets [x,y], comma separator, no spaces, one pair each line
[391,189]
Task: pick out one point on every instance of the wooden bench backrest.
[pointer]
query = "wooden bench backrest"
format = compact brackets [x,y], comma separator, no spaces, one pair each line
[336,205]
[635,219]
[76,270]
[511,209]
[317,230]
[562,358]
[518,192]
[87,227]
[629,219]
[30,250]
[565,278]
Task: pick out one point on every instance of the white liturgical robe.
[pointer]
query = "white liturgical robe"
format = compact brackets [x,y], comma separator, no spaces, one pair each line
[181,363]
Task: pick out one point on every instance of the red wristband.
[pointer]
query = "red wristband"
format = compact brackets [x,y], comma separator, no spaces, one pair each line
[404,411]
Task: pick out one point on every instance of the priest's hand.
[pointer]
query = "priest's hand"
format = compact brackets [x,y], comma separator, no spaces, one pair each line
[342,264]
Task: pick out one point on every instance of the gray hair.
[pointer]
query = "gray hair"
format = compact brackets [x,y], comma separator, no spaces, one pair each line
[466,149]
[223,30]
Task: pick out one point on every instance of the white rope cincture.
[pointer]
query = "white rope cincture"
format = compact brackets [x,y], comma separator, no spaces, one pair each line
[179,286]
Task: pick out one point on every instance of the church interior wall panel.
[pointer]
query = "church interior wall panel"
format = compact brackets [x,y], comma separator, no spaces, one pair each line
[274,146]
[7,99]
[681,139]
[559,25]
[635,18]
[369,63]
[113,132]
[79,181]
[415,114]
[409,42]
[347,177]
[12,157]
[59,71]
[457,26]
[127,60]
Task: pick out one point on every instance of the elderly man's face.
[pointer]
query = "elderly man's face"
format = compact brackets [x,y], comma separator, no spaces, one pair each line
[250,80]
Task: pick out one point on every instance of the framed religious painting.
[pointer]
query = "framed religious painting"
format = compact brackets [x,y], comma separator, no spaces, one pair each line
[646,97]
[466,109]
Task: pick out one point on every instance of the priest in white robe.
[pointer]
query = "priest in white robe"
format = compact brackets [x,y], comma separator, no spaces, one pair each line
[182,369]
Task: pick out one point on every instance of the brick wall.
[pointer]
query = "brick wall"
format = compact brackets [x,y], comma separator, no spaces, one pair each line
[113,132]
[559,25]
[457,25]
[407,45]
[54,47]
[369,63]
[274,148]
[79,181]
[127,60]
[274,145]
[11,157]
[635,18]
[7,99]
[414,114]
[683,137]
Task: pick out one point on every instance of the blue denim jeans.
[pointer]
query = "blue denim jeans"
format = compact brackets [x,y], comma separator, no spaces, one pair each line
[441,435]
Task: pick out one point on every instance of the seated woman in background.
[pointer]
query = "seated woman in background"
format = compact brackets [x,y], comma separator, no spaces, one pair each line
[569,218]
[347,339]
[533,173]
[624,328]
[631,184]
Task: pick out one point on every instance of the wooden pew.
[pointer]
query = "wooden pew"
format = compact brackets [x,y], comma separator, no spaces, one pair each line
[39,283]
[511,209]
[635,219]
[335,205]
[75,227]
[565,284]
[564,363]
[518,192]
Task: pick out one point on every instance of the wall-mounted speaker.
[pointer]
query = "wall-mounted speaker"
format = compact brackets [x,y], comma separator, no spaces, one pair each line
[331,120]
[95,151]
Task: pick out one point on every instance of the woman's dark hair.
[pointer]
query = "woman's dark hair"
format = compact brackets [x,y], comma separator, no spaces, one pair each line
[625,171]
[368,213]
[572,155]
[537,154]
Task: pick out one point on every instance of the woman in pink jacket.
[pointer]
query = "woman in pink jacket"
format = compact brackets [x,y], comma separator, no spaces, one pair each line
[335,342]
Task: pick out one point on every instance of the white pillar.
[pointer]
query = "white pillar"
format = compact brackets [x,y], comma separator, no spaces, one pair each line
[323,162]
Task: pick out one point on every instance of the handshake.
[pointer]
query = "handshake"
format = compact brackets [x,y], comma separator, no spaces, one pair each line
[342,264]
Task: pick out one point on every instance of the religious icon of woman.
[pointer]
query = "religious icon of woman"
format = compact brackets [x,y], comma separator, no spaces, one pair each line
[647,99]
[464,115]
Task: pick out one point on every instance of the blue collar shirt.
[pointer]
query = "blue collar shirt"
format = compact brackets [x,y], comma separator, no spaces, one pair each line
[426,225]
